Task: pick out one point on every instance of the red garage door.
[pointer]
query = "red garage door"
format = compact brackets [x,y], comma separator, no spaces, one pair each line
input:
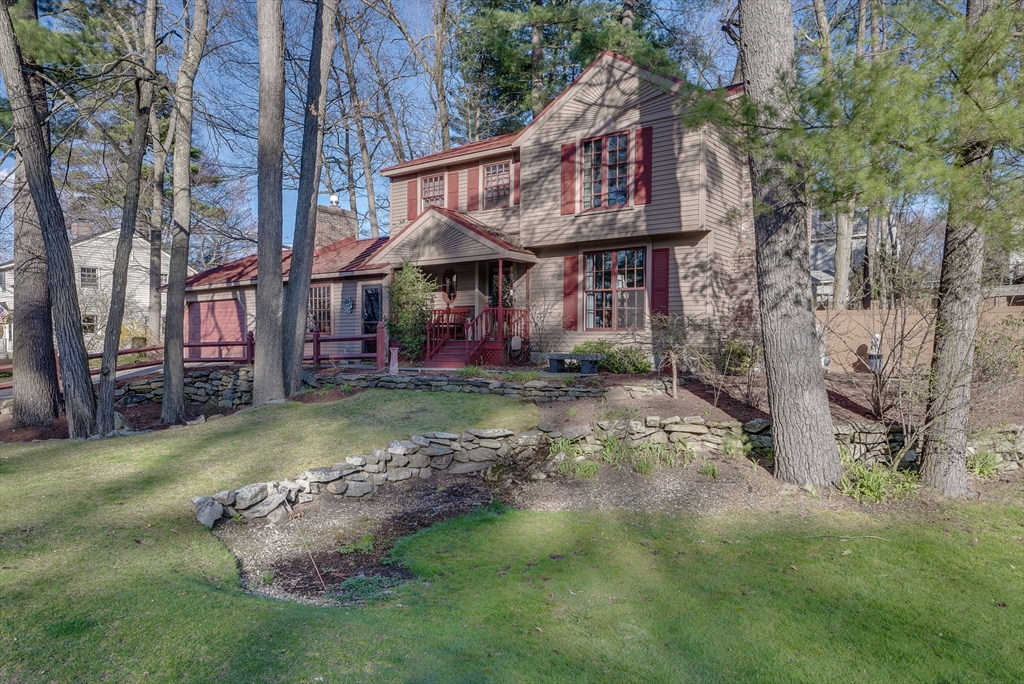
[219,321]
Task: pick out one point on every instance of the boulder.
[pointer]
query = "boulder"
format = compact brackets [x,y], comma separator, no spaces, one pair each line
[490,433]
[337,487]
[472,467]
[757,426]
[403,448]
[399,460]
[652,421]
[381,454]
[426,473]
[447,436]
[420,460]
[547,427]
[278,516]
[489,443]
[264,508]
[687,428]
[575,432]
[121,423]
[482,454]
[355,460]
[530,438]
[320,474]
[421,440]
[208,511]
[441,462]
[693,420]
[433,451]
[251,494]
[670,421]
[396,474]
[227,497]
[357,489]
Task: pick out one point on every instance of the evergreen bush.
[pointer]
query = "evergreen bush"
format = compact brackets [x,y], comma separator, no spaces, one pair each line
[411,298]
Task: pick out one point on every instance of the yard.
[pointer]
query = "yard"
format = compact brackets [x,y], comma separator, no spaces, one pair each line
[106,576]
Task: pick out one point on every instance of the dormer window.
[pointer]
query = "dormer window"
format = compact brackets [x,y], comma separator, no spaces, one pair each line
[433,191]
[497,185]
[605,170]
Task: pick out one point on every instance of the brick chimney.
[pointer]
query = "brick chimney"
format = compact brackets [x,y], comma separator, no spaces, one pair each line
[334,224]
[80,229]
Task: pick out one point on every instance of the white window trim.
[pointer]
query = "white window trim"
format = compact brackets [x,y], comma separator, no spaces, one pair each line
[483,180]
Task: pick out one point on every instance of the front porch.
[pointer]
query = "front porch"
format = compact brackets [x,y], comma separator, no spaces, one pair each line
[481,312]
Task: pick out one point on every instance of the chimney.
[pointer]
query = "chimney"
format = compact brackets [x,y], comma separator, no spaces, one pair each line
[80,229]
[334,224]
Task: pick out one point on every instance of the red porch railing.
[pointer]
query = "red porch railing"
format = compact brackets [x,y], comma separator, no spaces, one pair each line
[445,325]
[495,324]
[248,352]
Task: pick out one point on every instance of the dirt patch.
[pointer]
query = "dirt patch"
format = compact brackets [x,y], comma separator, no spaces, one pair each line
[145,416]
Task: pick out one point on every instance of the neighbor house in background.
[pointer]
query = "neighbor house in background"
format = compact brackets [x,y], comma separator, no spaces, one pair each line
[604,210]
[93,256]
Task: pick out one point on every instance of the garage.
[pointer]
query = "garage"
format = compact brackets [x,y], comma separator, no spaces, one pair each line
[217,321]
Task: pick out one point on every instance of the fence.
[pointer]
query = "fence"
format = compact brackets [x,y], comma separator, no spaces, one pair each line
[153,355]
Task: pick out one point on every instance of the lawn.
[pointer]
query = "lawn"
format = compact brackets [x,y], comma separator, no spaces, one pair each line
[106,576]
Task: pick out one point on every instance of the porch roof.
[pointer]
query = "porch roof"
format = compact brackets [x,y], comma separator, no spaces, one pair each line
[444,236]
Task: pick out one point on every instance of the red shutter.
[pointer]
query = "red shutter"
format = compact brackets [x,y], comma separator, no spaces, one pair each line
[569,178]
[453,190]
[515,182]
[410,200]
[659,281]
[644,146]
[570,290]
[473,189]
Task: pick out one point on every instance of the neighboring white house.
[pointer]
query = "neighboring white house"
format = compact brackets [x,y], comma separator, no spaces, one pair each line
[93,256]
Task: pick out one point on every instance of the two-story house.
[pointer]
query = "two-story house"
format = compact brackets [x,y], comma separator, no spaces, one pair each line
[601,212]
[93,258]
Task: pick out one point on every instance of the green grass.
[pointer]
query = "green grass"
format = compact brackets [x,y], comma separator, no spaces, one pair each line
[107,577]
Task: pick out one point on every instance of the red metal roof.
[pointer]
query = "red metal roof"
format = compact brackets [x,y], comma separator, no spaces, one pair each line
[345,255]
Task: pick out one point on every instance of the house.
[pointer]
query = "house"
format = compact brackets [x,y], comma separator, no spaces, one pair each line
[93,257]
[601,212]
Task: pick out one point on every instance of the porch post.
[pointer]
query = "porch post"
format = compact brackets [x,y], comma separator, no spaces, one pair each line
[526,323]
[501,300]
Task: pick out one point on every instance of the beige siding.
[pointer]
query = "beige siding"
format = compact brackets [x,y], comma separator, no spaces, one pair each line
[467,289]
[689,291]
[725,216]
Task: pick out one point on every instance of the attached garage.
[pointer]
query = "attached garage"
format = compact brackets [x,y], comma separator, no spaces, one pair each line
[221,321]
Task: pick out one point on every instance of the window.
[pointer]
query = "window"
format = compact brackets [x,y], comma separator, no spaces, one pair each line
[89,323]
[605,169]
[497,185]
[615,285]
[319,309]
[89,276]
[163,279]
[433,191]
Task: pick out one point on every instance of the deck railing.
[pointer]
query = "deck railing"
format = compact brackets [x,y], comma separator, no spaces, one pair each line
[444,325]
[495,324]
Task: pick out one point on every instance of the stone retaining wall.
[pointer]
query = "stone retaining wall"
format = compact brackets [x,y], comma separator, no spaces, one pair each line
[536,390]
[226,388]
[489,451]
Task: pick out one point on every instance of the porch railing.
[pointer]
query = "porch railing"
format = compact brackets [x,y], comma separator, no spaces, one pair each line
[444,325]
[495,324]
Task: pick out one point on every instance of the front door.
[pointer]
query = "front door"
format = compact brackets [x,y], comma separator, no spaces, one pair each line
[371,315]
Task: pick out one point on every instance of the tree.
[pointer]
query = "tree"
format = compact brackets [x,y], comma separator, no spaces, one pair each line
[268,370]
[33,151]
[805,448]
[145,73]
[173,408]
[410,298]
[35,391]
[296,299]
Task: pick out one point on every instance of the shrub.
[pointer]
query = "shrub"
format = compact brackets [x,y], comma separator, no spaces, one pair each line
[618,360]
[411,297]
[736,356]
[736,444]
[983,463]
[875,483]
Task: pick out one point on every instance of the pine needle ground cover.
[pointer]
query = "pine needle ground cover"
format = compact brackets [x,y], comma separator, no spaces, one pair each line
[107,577]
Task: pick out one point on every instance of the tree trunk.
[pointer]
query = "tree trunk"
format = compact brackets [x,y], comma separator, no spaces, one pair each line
[537,61]
[268,372]
[441,22]
[35,391]
[862,27]
[944,457]
[129,215]
[173,409]
[628,13]
[31,146]
[296,297]
[156,221]
[364,146]
[844,244]
[805,448]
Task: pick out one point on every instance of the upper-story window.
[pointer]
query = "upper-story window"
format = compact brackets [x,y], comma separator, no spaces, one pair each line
[89,276]
[433,191]
[615,285]
[605,170]
[497,185]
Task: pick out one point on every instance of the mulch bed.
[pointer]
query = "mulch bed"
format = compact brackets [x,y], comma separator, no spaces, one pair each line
[308,575]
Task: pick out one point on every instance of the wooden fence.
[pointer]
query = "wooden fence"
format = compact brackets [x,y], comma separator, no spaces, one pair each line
[153,355]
